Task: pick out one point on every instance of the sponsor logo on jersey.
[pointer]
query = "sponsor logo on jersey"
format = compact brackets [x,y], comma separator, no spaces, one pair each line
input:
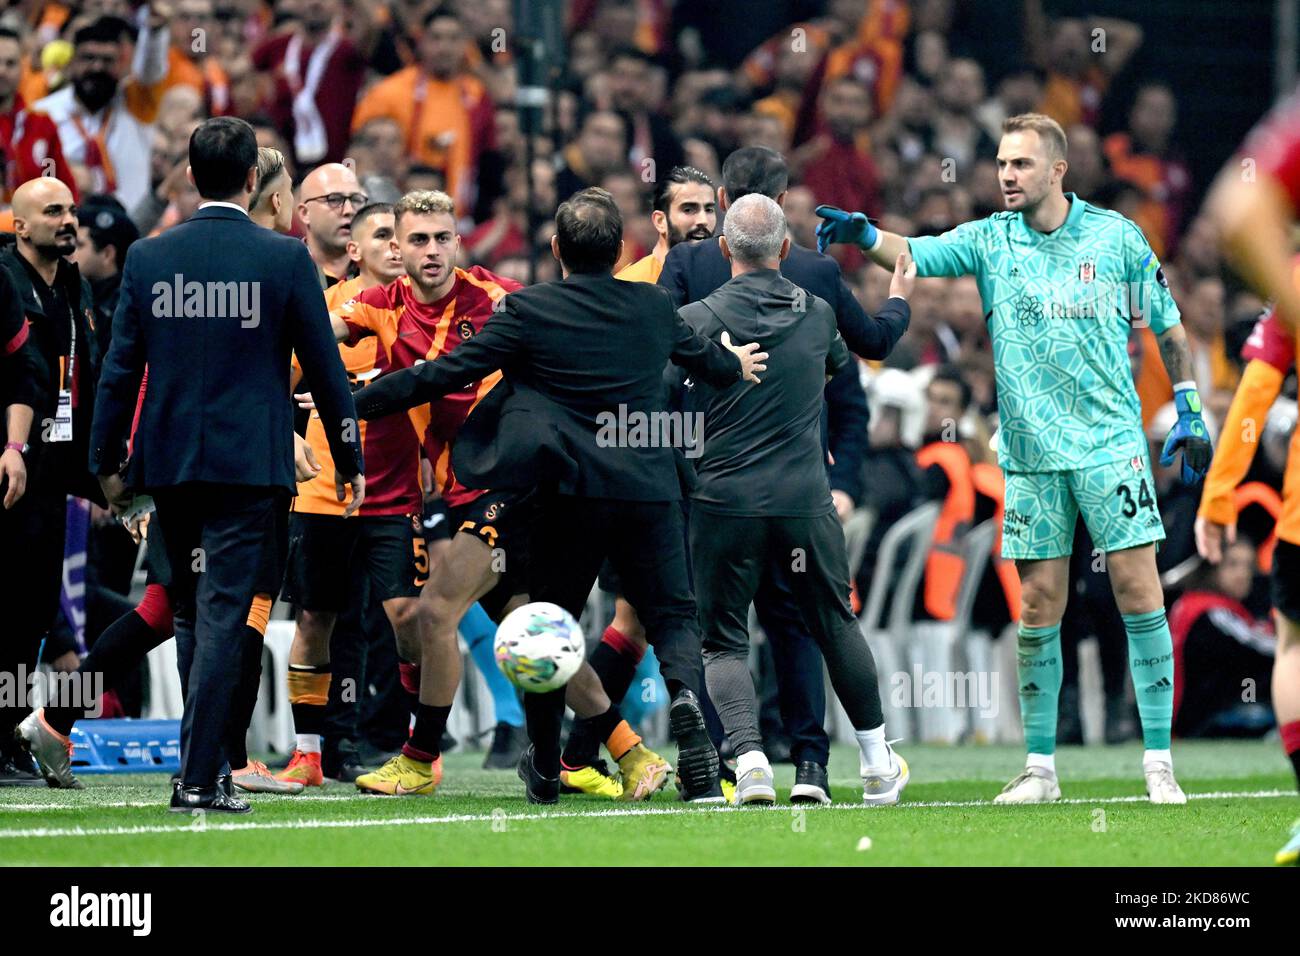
[1029,310]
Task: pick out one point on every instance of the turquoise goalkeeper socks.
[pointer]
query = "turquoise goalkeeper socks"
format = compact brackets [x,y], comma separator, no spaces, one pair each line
[478,630]
[1151,662]
[1038,666]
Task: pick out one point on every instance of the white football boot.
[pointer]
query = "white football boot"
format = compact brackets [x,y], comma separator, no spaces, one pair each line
[1161,785]
[1031,785]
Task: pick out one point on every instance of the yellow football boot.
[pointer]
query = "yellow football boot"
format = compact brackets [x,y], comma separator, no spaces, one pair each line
[403,777]
[644,772]
[591,779]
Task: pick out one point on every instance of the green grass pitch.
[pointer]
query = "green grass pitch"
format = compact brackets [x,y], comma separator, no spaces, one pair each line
[1242,800]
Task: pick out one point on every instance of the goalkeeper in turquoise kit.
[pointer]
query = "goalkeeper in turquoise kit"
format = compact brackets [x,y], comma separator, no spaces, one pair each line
[1063,282]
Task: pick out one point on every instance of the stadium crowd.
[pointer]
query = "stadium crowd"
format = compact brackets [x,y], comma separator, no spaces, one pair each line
[875,105]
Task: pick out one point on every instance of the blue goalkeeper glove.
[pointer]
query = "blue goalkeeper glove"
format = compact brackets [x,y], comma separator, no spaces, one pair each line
[1189,434]
[841,226]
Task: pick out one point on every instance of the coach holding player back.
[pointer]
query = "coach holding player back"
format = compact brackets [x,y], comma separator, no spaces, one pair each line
[214,307]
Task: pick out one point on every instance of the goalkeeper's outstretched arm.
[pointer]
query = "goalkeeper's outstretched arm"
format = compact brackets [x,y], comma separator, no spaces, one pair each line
[891,247]
[883,248]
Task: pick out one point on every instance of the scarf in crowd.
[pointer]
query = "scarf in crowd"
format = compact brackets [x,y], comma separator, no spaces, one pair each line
[310,141]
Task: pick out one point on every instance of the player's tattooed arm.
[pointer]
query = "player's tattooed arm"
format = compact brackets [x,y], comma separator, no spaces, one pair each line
[1189,434]
[1175,353]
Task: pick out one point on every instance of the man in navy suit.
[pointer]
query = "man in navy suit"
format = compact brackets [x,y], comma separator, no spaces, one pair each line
[214,307]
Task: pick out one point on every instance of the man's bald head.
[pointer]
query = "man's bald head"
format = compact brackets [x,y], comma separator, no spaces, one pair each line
[33,195]
[328,178]
[327,199]
[755,232]
[45,219]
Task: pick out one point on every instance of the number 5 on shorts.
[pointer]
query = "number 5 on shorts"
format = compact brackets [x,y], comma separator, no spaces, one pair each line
[421,561]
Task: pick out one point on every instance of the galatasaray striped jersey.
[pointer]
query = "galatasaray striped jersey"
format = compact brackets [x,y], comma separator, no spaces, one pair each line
[409,332]
[390,445]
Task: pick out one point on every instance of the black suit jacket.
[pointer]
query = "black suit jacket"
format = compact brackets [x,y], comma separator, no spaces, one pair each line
[580,358]
[216,408]
[693,270]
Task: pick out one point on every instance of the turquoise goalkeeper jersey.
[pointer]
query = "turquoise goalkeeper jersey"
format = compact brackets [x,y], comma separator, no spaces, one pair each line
[1059,307]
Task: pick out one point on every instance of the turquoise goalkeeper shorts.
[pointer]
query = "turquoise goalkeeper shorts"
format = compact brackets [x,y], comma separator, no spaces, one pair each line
[1117,501]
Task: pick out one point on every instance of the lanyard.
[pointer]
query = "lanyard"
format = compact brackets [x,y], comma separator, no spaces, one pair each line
[72,348]
[69,369]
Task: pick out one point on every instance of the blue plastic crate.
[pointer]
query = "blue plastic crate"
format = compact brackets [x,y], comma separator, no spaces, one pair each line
[120,745]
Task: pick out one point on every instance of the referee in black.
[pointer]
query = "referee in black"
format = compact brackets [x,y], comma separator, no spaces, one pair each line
[214,307]
[762,497]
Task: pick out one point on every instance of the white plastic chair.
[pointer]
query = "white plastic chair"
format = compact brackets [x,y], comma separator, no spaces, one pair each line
[473,717]
[1010,728]
[857,531]
[272,724]
[915,530]
[932,645]
[981,658]
[164,683]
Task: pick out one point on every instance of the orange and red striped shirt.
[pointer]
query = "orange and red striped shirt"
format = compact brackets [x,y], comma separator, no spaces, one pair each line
[409,332]
[390,445]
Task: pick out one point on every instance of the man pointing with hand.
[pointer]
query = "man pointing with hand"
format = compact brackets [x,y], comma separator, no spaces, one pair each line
[1063,283]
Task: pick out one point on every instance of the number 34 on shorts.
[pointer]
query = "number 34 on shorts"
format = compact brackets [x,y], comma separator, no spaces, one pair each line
[1117,501]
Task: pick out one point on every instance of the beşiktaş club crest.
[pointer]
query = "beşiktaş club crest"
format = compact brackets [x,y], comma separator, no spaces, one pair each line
[1087,270]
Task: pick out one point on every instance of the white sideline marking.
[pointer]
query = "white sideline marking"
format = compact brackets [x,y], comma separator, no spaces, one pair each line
[305,797]
[49,832]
